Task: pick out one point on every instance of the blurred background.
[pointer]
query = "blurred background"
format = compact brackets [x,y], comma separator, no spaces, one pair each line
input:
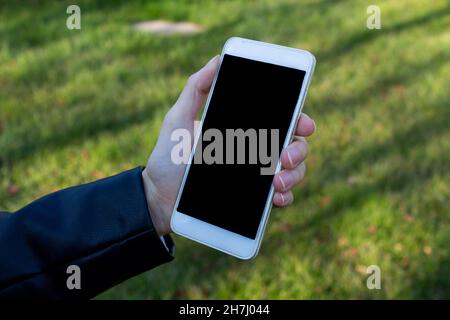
[79,105]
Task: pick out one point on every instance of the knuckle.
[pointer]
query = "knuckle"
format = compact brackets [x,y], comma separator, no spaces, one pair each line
[304,143]
[291,198]
[192,79]
[304,149]
[169,115]
[300,172]
[303,170]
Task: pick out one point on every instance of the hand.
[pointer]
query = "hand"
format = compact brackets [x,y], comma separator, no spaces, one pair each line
[162,178]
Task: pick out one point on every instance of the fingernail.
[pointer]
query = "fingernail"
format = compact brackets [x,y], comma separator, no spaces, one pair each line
[282,182]
[286,180]
[282,198]
[293,156]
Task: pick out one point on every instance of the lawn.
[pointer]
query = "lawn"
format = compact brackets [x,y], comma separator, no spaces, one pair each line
[78,105]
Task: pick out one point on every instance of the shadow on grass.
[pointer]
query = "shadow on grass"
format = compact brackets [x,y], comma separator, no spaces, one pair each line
[204,46]
[435,284]
[404,140]
[369,35]
[401,78]
[89,125]
[26,31]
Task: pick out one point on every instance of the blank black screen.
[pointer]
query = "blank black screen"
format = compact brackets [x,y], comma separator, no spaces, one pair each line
[247,94]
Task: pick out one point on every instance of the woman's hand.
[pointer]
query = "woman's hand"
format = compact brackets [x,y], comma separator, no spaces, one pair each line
[162,177]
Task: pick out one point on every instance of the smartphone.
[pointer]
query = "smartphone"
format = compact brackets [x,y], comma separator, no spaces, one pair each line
[250,115]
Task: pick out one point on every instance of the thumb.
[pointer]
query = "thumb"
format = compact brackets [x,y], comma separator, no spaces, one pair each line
[196,91]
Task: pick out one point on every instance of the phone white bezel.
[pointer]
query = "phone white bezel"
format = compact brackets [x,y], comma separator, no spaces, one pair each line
[212,235]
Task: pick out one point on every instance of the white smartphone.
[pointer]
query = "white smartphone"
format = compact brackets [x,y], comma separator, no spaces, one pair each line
[226,195]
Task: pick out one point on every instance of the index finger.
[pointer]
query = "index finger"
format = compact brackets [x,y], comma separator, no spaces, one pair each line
[305,126]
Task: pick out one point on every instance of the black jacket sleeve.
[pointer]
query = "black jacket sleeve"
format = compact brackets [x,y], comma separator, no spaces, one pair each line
[104,228]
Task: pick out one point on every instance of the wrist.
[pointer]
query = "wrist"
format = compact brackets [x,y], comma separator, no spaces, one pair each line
[159,211]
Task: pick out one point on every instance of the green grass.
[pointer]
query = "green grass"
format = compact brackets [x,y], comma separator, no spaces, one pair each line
[79,105]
